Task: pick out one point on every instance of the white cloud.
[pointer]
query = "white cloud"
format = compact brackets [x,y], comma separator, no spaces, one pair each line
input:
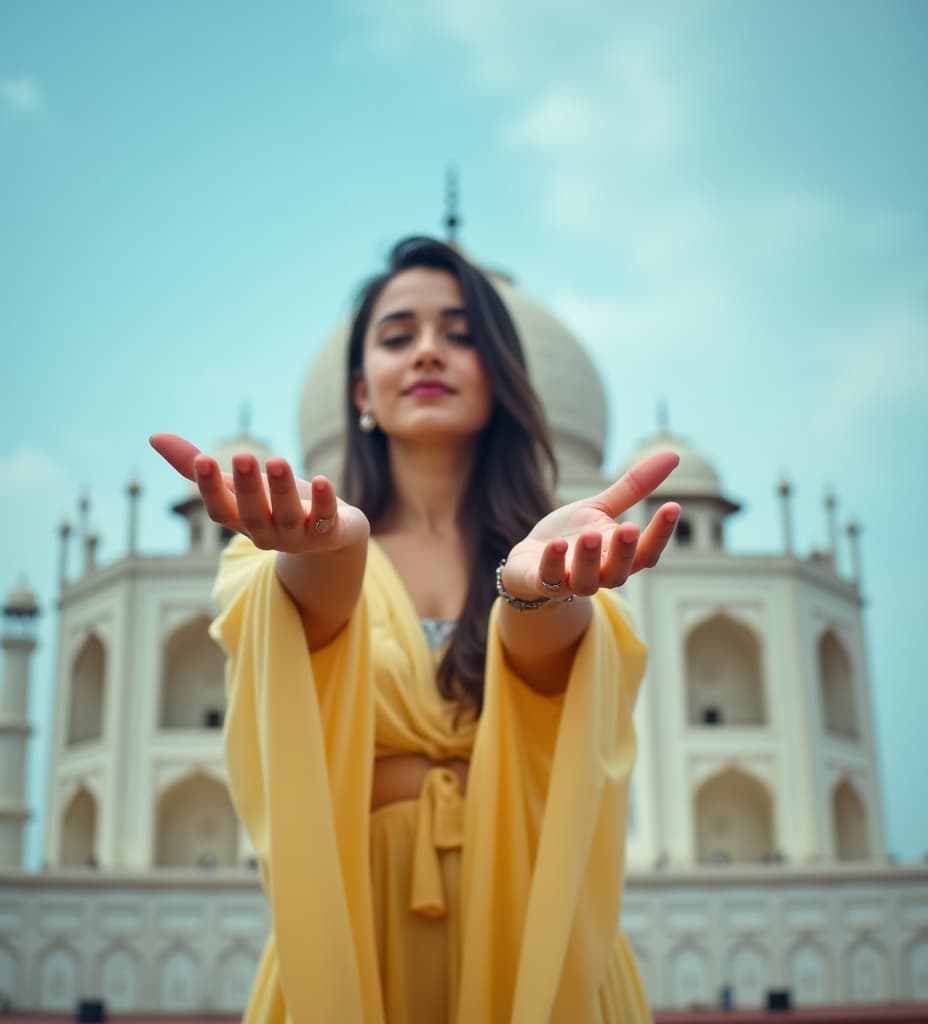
[27,469]
[20,95]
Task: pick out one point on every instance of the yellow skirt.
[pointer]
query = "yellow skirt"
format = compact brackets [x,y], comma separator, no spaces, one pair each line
[418,953]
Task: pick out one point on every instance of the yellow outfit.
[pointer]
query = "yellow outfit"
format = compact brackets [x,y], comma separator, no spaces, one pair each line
[498,909]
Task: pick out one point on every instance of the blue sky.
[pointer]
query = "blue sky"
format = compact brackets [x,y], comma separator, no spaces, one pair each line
[725,201]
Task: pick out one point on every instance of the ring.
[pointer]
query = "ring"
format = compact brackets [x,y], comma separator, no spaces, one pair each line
[551,586]
[322,525]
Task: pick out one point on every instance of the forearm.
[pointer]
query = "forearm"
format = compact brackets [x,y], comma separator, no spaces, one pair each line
[539,645]
[325,587]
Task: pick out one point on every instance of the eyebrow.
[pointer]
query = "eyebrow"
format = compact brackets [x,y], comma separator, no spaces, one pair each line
[408,314]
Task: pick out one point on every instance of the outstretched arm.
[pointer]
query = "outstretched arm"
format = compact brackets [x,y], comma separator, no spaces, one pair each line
[578,549]
[321,540]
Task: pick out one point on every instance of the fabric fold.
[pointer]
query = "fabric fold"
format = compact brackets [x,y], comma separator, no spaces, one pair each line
[439,826]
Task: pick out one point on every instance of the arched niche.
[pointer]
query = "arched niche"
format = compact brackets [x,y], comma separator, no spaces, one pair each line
[850,823]
[193,680]
[723,674]
[747,972]
[119,977]
[836,681]
[734,819]
[58,968]
[196,826]
[808,973]
[234,976]
[688,971]
[180,980]
[79,830]
[88,686]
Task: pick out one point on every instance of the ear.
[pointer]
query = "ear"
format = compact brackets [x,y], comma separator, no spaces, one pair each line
[359,394]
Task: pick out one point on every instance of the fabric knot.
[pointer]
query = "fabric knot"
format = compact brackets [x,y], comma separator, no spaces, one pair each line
[439,826]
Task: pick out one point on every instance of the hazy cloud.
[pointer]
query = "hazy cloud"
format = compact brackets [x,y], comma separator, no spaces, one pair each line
[20,95]
[27,469]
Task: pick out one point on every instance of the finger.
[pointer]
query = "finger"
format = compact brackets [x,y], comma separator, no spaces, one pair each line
[620,555]
[656,536]
[253,508]
[552,570]
[585,564]
[220,503]
[287,510]
[179,452]
[637,483]
[324,509]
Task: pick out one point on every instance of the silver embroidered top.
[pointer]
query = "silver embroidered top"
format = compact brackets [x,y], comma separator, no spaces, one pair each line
[437,631]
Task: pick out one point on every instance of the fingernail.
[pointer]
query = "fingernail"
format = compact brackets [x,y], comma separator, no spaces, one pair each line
[673,515]
[278,472]
[243,467]
[204,469]
[592,545]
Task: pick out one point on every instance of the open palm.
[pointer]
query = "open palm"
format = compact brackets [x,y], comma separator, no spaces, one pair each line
[579,548]
[276,509]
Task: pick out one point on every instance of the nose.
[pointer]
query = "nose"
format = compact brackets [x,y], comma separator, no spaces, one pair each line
[429,348]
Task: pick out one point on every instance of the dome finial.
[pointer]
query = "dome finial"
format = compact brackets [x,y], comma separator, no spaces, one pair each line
[452,218]
[663,416]
[244,418]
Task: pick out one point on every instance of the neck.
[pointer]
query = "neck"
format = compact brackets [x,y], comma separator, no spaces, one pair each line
[428,485]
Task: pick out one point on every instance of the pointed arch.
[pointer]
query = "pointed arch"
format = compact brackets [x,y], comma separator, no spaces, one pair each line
[734,819]
[196,825]
[849,815]
[193,678]
[836,683]
[87,692]
[79,830]
[723,674]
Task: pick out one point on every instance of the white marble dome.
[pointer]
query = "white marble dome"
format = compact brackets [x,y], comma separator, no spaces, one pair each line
[695,476]
[569,386]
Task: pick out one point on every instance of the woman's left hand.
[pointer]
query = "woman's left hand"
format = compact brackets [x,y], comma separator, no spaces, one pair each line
[579,548]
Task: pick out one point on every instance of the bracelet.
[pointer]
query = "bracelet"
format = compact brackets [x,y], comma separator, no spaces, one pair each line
[517,602]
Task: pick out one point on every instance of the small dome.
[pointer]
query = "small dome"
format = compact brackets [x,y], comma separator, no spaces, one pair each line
[562,372]
[21,602]
[695,476]
[242,442]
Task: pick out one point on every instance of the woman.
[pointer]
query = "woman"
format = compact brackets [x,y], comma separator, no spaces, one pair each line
[429,733]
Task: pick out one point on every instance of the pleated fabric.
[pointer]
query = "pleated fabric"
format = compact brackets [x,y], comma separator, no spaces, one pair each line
[501,908]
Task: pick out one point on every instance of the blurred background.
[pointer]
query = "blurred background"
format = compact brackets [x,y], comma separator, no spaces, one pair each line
[724,201]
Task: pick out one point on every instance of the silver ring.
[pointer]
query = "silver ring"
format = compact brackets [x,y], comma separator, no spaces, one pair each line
[322,525]
[551,586]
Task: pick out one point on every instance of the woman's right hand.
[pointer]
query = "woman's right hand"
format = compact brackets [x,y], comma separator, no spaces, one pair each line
[277,510]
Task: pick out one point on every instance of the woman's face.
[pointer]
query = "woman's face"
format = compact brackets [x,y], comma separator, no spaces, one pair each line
[422,376]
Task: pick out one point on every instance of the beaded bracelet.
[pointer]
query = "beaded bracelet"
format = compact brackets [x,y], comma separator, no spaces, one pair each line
[517,602]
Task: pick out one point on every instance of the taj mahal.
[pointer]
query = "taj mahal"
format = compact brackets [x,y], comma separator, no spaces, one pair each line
[757,859]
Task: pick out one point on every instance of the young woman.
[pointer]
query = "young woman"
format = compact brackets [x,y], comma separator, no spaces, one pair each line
[431,682]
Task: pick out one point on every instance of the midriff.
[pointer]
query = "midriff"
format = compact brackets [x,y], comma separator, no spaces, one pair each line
[401,776]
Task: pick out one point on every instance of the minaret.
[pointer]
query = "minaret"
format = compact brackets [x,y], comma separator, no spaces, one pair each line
[18,640]
[785,490]
[452,217]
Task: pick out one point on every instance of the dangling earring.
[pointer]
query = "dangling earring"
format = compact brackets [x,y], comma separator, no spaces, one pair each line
[367,422]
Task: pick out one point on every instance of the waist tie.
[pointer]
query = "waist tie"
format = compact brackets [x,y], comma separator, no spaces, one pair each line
[439,826]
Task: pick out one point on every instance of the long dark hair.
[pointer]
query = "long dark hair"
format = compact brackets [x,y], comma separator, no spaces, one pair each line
[514,464]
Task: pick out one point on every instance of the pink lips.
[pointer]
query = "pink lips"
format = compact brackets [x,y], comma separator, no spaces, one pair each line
[428,389]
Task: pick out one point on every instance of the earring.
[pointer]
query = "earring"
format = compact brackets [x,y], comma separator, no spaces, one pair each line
[367,422]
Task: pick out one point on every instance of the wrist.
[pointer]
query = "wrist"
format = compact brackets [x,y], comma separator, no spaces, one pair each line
[523,602]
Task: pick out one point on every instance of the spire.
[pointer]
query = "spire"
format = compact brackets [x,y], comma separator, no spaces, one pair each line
[244,419]
[452,218]
[663,416]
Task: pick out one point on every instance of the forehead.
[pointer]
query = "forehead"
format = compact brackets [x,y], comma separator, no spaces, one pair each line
[419,290]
